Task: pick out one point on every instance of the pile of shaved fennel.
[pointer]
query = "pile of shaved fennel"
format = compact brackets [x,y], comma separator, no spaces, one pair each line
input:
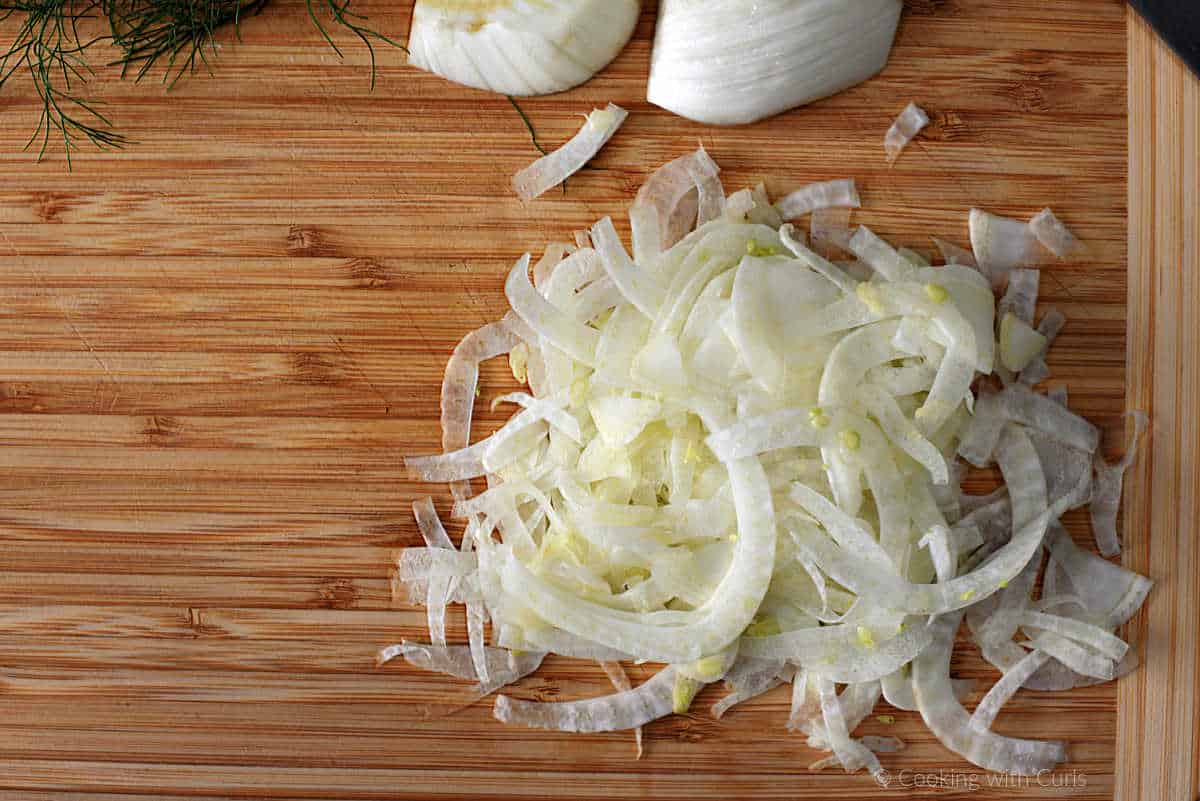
[743,460]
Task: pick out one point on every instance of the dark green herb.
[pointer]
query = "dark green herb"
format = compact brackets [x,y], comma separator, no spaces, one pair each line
[532,133]
[174,33]
[352,22]
[528,125]
[48,47]
[178,35]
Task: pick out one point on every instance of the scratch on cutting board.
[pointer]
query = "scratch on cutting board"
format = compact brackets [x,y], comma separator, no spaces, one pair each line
[96,356]
[476,304]
[950,175]
[417,327]
[387,404]
[1058,282]
[75,330]
[8,242]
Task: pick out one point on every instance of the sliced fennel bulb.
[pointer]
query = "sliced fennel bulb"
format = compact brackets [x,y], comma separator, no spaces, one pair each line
[741,460]
[729,62]
[519,47]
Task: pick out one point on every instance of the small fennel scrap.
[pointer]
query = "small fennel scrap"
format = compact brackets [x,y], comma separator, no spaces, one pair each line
[906,127]
[554,168]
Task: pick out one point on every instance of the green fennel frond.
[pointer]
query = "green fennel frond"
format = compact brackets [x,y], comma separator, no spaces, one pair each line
[177,35]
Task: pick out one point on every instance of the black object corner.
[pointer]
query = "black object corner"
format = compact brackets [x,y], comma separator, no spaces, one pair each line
[1178,21]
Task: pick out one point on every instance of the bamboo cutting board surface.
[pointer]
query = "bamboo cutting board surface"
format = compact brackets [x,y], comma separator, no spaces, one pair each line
[215,346]
[1159,707]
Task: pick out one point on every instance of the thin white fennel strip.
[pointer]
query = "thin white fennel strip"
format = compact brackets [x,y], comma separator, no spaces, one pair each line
[1078,658]
[453,660]
[620,682]
[637,286]
[827,194]
[648,702]
[1001,244]
[1050,327]
[655,214]
[1021,296]
[845,653]
[1109,591]
[548,410]
[432,530]
[1106,492]
[881,256]
[1022,405]
[905,128]
[438,592]
[1094,637]
[1005,688]
[950,723]
[552,169]
[461,381]
[427,563]
[544,267]
[557,326]
[1055,236]
[750,678]
[787,428]
[829,231]
[504,667]
[518,435]
[852,754]
[954,254]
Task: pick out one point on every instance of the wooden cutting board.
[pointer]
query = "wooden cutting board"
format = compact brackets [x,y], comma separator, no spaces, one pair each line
[216,344]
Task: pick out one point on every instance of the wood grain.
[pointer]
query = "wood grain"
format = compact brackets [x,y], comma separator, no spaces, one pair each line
[1160,705]
[216,344]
